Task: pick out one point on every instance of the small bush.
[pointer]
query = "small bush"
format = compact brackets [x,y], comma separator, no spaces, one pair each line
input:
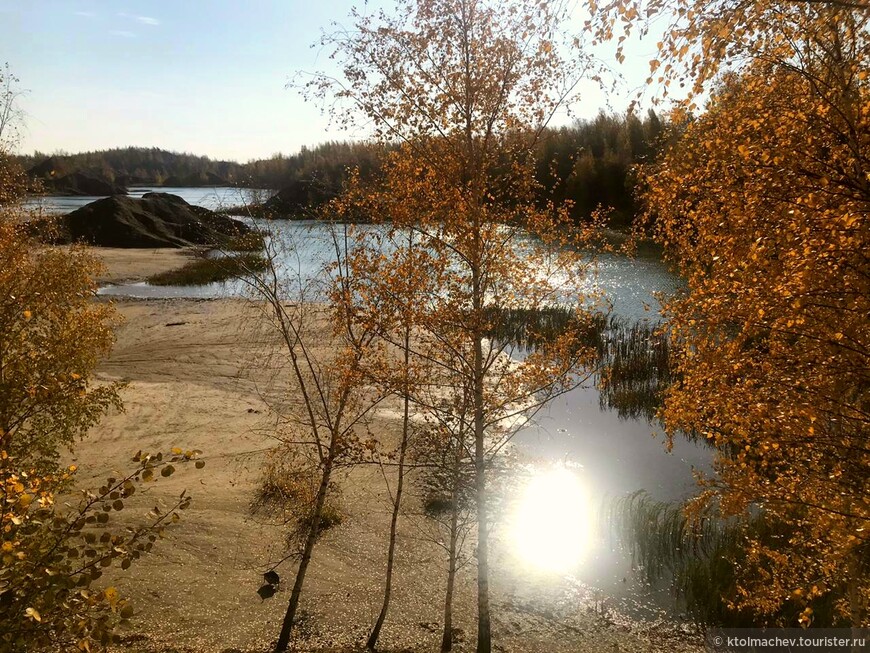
[437,506]
[53,552]
[288,490]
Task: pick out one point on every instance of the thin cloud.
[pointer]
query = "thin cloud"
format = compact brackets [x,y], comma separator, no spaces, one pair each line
[145,20]
[86,14]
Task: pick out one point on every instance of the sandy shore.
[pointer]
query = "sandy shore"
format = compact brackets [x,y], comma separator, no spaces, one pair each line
[123,265]
[193,381]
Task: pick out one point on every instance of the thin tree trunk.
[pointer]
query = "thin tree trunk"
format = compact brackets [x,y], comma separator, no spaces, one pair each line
[484,634]
[397,501]
[310,540]
[447,637]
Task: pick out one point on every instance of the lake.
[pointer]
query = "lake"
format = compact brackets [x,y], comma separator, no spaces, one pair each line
[580,456]
[627,283]
[213,198]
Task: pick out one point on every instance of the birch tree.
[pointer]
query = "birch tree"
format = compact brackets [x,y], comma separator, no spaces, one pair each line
[462,89]
[762,202]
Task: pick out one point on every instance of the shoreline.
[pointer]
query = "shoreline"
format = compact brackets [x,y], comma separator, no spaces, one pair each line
[128,265]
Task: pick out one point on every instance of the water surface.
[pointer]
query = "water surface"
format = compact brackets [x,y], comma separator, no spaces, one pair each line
[213,197]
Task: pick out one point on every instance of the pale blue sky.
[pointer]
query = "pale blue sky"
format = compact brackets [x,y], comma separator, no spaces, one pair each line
[201,76]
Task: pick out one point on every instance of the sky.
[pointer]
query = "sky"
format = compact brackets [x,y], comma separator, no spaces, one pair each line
[202,76]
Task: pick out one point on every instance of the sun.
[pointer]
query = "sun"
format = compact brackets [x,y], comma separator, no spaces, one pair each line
[552,523]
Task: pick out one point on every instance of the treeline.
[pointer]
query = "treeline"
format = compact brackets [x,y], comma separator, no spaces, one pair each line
[589,163]
[139,165]
[325,165]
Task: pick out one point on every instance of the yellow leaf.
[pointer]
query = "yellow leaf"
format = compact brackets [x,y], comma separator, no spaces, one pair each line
[111,595]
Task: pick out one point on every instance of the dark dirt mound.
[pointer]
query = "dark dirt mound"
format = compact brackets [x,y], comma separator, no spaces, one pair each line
[156,220]
[49,168]
[295,198]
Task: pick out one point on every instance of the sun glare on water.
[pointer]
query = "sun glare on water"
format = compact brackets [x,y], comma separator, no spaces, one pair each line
[552,524]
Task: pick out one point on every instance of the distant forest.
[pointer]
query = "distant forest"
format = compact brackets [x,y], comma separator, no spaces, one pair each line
[589,162]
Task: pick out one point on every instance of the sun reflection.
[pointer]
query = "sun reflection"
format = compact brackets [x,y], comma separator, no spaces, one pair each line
[552,524]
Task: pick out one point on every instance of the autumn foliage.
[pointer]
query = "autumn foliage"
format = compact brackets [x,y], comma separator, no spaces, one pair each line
[763,204]
[56,542]
[461,92]
[51,553]
[53,335]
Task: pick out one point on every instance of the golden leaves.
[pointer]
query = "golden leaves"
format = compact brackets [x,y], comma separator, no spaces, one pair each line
[466,98]
[58,606]
[763,204]
[58,337]
[111,595]
[701,38]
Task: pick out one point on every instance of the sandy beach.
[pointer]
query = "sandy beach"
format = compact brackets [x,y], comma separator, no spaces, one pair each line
[195,380]
[129,265]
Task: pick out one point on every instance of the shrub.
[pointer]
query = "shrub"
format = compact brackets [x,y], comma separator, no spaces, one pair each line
[288,490]
[53,335]
[51,554]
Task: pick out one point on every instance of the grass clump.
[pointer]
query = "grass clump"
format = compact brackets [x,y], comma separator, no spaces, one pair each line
[636,368]
[633,357]
[705,557]
[202,271]
[287,493]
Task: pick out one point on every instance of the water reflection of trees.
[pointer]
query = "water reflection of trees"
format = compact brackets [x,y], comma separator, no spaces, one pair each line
[633,355]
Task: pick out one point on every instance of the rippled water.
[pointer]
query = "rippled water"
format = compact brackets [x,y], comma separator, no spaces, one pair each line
[627,283]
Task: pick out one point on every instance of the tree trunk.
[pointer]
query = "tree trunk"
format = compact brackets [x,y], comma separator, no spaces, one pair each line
[310,540]
[397,502]
[484,635]
[447,637]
